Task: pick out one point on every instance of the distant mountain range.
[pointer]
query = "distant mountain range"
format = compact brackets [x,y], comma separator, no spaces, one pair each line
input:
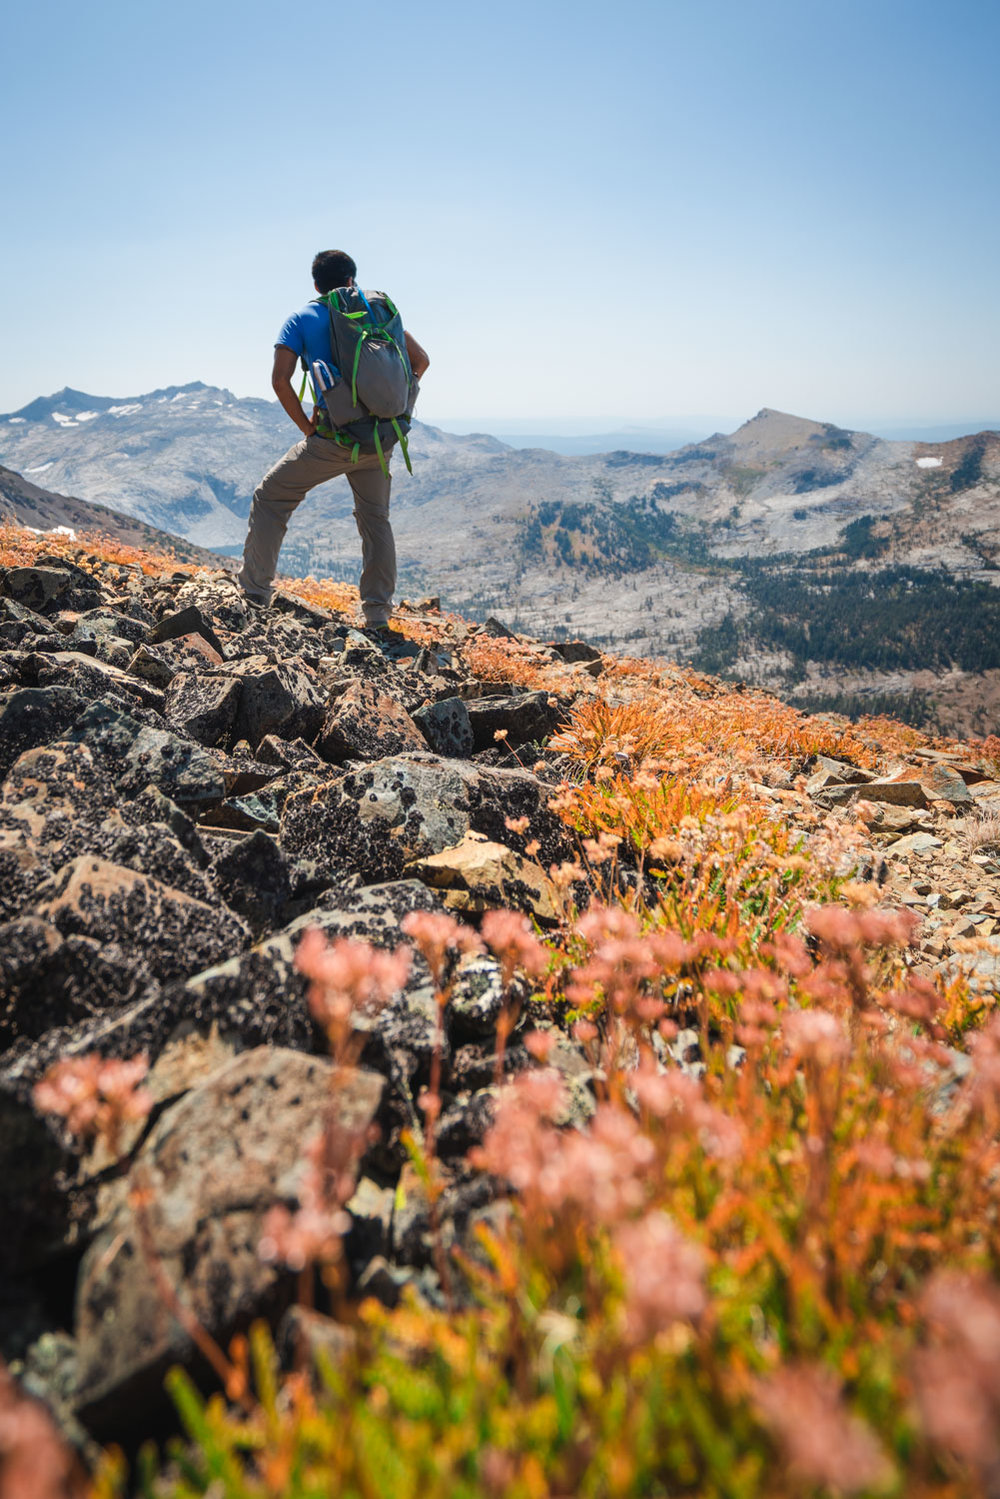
[719,552]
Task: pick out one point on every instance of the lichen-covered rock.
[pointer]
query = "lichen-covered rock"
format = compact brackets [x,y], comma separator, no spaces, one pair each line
[252,876]
[133,754]
[17,622]
[37,588]
[159,662]
[447,727]
[151,848]
[276,699]
[108,624]
[267,971]
[204,600]
[214,1164]
[21,873]
[479,874]
[202,706]
[53,796]
[261,808]
[525,717]
[168,932]
[377,820]
[48,980]
[366,723]
[34,716]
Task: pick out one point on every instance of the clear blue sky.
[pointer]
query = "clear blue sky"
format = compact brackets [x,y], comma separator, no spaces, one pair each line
[608,212]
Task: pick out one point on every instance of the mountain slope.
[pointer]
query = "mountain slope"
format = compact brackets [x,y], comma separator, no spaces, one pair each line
[41,510]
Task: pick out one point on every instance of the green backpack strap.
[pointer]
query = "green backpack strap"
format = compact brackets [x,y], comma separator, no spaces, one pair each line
[404,446]
[378,448]
[354,371]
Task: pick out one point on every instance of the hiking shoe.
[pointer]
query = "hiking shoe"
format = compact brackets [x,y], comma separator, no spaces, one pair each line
[379,634]
[255,600]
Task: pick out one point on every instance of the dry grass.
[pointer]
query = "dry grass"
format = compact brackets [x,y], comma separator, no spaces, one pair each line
[983,832]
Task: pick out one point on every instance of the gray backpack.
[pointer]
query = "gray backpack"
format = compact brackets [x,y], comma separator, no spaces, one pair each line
[368,408]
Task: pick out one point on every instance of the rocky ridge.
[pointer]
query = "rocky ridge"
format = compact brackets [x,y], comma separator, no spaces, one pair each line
[686,555]
[190,784]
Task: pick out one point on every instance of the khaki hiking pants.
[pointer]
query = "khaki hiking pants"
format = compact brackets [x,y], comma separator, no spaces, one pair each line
[311,462]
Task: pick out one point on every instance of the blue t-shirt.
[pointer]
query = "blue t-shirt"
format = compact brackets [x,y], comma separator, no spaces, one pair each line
[308,332]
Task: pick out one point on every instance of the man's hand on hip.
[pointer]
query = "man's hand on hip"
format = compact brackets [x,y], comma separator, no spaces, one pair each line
[281,383]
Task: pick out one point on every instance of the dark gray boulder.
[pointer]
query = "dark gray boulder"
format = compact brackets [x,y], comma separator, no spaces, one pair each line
[34,716]
[526,717]
[253,877]
[576,650]
[133,754]
[280,699]
[289,754]
[447,727]
[215,1163]
[364,722]
[86,674]
[186,622]
[202,706]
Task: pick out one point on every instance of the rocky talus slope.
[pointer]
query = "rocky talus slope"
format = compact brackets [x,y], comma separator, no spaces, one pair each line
[189,784]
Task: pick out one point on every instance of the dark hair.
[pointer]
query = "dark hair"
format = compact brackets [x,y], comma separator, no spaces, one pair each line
[332,268]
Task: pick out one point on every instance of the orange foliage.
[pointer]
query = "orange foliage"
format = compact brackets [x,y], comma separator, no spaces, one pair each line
[21,548]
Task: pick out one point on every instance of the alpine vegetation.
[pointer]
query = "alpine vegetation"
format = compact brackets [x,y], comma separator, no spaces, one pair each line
[459,1065]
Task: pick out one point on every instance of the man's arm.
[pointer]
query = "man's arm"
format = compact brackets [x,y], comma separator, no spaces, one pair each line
[419,362]
[285,360]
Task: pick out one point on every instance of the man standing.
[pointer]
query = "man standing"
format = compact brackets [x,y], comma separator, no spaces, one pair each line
[319,457]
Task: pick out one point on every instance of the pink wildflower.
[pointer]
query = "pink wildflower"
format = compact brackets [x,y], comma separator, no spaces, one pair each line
[790,953]
[957,1378]
[876,1156]
[680,1102]
[602,1173]
[757,1019]
[522,1133]
[34,1462]
[539,1044]
[624,960]
[823,1442]
[919,1000]
[301,1238]
[984,1084]
[348,976]
[95,1096]
[815,1034]
[509,937]
[313,1232]
[435,935]
[664,1276]
[842,931]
